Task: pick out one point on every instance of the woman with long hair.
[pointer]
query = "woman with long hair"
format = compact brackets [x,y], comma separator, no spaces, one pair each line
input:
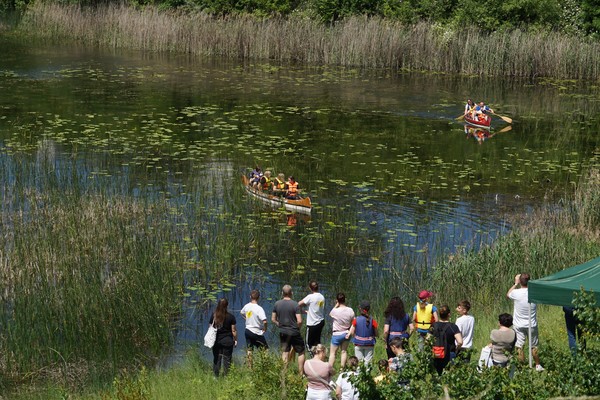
[224,321]
[397,324]
[342,317]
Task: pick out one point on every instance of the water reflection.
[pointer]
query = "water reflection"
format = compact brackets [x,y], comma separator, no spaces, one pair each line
[481,134]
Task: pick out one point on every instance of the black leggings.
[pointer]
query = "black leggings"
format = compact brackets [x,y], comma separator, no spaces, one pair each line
[221,355]
[313,334]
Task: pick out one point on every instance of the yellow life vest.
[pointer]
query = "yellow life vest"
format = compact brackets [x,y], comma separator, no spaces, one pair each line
[279,184]
[424,317]
[267,183]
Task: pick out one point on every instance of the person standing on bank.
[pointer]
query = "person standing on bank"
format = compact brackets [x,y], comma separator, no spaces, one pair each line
[287,316]
[524,313]
[342,317]
[397,323]
[226,340]
[256,324]
[315,319]
[574,331]
[424,315]
[447,334]
[364,329]
[466,324]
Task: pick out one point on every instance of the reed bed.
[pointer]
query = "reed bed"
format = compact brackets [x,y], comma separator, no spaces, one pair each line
[90,279]
[354,42]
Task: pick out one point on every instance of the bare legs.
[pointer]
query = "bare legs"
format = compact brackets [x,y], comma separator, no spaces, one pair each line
[333,351]
[287,356]
[534,354]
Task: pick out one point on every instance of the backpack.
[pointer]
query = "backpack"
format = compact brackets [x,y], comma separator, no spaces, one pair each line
[440,343]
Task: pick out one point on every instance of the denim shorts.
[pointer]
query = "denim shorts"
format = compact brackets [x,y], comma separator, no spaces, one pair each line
[337,340]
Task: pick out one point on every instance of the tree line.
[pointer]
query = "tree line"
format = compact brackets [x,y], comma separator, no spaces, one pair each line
[573,17]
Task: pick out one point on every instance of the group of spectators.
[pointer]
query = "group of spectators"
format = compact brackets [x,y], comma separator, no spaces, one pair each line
[427,321]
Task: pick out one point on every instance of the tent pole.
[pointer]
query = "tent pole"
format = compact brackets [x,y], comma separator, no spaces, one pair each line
[530,347]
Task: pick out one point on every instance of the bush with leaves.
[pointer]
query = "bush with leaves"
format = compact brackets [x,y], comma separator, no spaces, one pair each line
[268,379]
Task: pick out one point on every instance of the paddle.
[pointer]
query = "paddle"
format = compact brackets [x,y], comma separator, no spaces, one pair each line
[460,117]
[505,119]
[505,129]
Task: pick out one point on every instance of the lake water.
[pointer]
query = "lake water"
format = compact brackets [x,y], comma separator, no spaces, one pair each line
[396,181]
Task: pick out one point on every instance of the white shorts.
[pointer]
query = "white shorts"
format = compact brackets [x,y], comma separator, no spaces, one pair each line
[523,333]
[318,394]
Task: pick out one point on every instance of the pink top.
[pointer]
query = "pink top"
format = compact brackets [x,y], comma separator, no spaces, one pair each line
[342,319]
[319,369]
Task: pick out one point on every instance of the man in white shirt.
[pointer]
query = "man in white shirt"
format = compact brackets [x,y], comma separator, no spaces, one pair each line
[315,318]
[522,316]
[256,324]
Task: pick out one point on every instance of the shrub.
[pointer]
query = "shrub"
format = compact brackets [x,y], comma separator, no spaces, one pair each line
[268,379]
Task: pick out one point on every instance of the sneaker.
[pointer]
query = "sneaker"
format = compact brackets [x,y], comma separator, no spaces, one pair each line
[539,368]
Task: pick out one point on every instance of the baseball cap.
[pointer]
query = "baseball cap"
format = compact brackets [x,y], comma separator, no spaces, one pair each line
[424,294]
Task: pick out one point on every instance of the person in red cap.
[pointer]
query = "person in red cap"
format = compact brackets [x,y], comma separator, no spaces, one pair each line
[424,315]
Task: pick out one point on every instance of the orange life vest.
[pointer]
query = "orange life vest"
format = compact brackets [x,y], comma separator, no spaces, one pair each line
[292,188]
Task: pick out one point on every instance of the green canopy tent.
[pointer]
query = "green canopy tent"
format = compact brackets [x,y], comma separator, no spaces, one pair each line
[557,289]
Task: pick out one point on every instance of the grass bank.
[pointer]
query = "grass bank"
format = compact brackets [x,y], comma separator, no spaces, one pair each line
[354,42]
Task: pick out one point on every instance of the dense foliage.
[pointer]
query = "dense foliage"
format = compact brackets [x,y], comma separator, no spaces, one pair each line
[569,16]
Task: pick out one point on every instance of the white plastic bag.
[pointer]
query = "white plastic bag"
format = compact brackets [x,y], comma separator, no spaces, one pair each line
[485,358]
[211,336]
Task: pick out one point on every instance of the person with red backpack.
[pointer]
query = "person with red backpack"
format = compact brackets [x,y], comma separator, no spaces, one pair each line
[447,339]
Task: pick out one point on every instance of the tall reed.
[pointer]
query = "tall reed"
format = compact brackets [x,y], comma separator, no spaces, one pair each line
[356,41]
[87,277]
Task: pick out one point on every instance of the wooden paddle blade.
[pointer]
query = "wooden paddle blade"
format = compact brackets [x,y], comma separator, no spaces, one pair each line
[505,129]
[460,117]
[505,119]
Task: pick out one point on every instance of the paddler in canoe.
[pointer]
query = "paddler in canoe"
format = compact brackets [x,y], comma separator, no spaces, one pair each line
[469,107]
[279,185]
[478,113]
[481,112]
[292,190]
[265,184]
[254,177]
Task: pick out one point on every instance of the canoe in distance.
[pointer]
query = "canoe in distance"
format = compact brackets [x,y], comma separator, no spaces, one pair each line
[301,205]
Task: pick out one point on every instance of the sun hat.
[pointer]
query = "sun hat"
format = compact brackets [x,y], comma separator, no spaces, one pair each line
[424,294]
